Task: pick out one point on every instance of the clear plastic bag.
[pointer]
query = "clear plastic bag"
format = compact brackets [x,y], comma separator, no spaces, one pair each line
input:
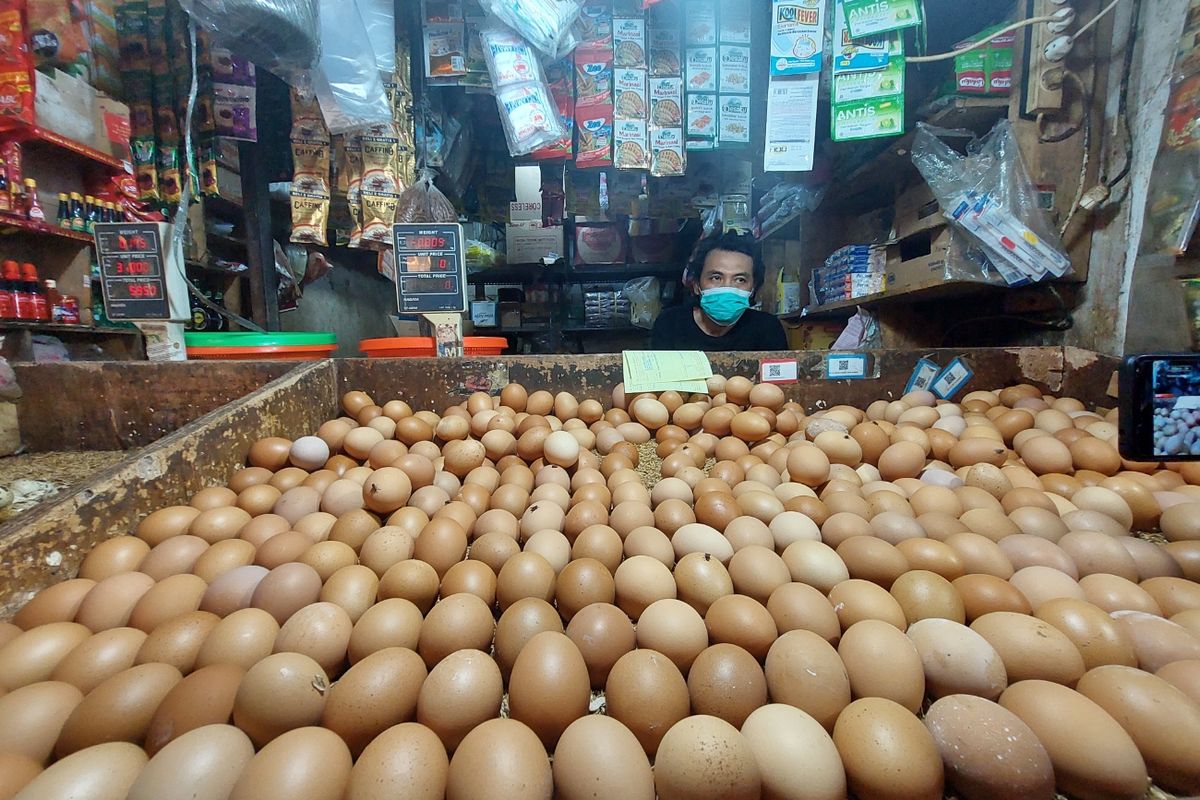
[645,301]
[510,58]
[989,195]
[529,116]
[424,202]
[546,24]
[278,35]
[347,79]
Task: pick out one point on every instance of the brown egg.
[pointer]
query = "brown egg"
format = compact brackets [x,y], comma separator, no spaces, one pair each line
[286,589]
[34,716]
[105,771]
[376,693]
[980,555]
[281,693]
[1031,648]
[458,622]
[113,556]
[1113,593]
[803,670]
[726,682]
[1173,595]
[1156,641]
[58,602]
[17,771]
[242,479]
[394,622]
[177,642]
[646,692]
[118,709]
[525,575]
[640,581]
[881,661]
[872,559]
[988,751]
[957,660]
[461,692]
[549,687]
[743,621]
[932,555]
[887,751]
[232,590]
[99,657]
[166,600]
[244,638]
[203,698]
[501,758]
[855,600]
[1091,754]
[924,595]
[1098,637]
[306,760]
[111,601]
[320,631]
[983,594]
[353,587]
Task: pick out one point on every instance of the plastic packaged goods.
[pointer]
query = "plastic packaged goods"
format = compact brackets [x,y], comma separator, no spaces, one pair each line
[16,68]
[347,78]
[546,24]
[510,59]
[988,194]
[278,35]
[529,116]
[645,301]
[310,179]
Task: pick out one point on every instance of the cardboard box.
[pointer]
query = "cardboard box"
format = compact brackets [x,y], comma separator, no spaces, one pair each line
[484,313]
[532,245]
[112,128]
[917,210]
[510,315]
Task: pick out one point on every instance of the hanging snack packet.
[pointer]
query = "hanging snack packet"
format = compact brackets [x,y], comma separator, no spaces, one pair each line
[595,25]
[510,59]
[310,177]
[380,184]
[595,126]
[16,68]
[593,76]
[667,156]
[353,171]
[529,116]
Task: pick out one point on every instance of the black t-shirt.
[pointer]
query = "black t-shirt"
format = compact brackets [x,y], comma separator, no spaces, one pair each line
[676,329]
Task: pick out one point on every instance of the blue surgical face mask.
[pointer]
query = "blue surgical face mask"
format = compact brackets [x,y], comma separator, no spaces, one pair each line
[724,305]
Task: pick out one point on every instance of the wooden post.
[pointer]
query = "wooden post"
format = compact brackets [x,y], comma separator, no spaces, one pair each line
[260,248]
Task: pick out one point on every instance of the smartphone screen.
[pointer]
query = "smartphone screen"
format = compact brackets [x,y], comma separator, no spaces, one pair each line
[1174,394]
[1160,407]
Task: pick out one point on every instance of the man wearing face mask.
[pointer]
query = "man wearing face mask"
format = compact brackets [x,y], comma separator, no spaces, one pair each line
[724,273]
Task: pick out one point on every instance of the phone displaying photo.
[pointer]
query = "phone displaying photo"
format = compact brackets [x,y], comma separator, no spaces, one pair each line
[1160,408]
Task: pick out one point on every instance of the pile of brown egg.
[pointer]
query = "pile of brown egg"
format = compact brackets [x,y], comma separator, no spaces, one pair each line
[528,596]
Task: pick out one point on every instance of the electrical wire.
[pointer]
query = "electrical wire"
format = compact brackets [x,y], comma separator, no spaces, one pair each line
[955,53]
[1123,99]
[1088,25]
[186,196]
[1087,147]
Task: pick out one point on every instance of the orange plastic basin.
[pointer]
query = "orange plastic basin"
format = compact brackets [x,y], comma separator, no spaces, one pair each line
[426,347]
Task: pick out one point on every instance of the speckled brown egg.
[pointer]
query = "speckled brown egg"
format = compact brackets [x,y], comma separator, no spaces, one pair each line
[203,698]
[887,752]
[1031,648]
[803,670]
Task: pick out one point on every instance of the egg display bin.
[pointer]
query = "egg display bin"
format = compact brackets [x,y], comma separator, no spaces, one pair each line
[46,546]
[188,425]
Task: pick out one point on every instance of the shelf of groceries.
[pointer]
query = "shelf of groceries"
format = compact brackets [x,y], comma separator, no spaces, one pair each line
[14,130]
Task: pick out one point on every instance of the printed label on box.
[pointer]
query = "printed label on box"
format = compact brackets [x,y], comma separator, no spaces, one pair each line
[735,68]
[870,17]
[701,69]
[772,370]
[856,87]
[923,376]
[845,366]
[865,53]
[867,120]
[952,379]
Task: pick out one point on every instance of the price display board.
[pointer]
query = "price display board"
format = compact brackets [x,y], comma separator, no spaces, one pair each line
[431,268]
[131,270]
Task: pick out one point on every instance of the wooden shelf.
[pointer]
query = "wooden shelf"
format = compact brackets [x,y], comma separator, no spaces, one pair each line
[12,129]
[525,273]
[58,327]
[927,290]
[9,225]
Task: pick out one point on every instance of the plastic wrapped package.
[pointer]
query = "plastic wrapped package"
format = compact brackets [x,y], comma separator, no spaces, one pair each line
[645,301]
[510,59]
[528,111]
[379,19]
[988,195]
[424,202]
[546,24]
[347,80]
[278,35]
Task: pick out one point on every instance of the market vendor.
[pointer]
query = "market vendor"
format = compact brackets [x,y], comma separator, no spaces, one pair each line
[724,273]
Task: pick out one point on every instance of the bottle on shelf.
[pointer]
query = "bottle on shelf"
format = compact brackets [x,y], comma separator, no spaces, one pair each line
[64,211]
[23,301]
[5,195]
[36,292]
[54,300]
[92,213]
[33,209]
[8,290]
[78,221]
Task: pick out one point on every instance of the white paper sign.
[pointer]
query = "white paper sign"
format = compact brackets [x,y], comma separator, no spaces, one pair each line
[791,124]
